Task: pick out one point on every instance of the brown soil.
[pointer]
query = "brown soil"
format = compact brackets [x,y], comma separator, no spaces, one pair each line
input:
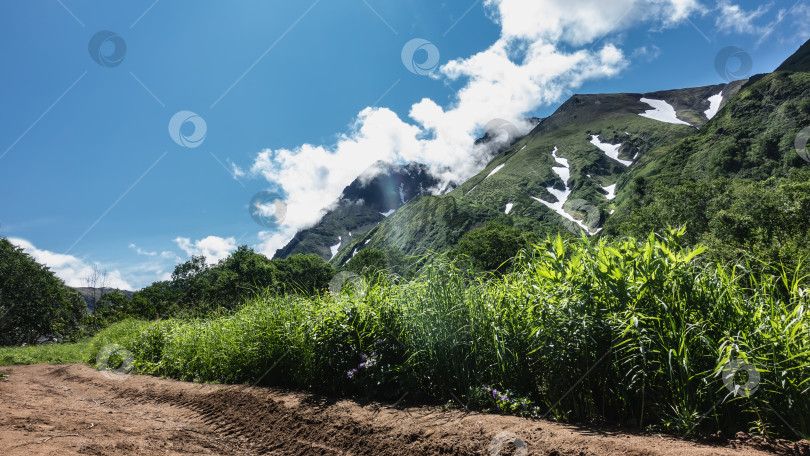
[74,409]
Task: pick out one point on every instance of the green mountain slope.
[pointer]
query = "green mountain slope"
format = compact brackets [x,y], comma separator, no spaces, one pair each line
[722,161]
[509,188]
[739,184]
[527,167]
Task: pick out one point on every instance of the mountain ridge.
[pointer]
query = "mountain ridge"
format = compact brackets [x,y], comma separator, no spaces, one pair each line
[581,167]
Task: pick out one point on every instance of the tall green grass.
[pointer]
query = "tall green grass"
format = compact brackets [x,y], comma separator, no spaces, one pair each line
[628,331]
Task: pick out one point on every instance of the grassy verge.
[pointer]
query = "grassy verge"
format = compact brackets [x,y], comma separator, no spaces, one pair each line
[633,332]
[49,353]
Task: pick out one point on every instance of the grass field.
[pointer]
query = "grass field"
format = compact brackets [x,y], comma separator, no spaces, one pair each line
[49,353]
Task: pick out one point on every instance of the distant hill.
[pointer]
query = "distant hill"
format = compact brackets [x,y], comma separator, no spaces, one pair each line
[91,294]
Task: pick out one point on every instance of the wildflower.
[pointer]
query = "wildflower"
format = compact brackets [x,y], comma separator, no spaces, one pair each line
[351,373]
[363,356]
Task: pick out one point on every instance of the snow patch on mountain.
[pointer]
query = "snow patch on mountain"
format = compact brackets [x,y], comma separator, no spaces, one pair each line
[557,207]
[497,168]
[509,207]
[562,195]
[611,150]
[611,191]
[662,112]
[565,171]
[336,247]
[714,105]
[387,213]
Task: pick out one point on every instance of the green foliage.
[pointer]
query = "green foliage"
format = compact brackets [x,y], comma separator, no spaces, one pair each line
[33,301]
[492,247]
[63,353]
[198,289]
[111,307]
[305,274]
[732,217]
[372,262]
[635,332]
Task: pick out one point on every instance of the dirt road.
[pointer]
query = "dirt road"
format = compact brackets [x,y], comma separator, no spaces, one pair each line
[74,409]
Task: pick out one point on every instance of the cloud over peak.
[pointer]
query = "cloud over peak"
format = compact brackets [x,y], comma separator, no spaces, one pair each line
[539,57]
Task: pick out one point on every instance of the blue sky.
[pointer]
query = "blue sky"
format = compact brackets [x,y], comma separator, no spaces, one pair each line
[298,98]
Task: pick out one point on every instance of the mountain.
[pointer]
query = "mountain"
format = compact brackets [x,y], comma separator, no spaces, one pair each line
[564,173]
[368,200]
[626,164]
[741,183]
[799,61]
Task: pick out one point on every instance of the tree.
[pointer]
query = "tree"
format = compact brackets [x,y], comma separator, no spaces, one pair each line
[370,261]
[490,248]
[97,281]
[240,275]
[33,301]
[304,273]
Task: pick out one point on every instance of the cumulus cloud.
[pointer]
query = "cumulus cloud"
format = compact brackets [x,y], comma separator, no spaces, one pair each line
[561,21]
[270,241]
[214,248]
[69,268]
[546,49]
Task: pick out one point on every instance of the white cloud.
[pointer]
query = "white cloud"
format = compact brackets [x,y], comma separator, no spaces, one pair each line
[733,18]
[141,251]
[270,241]
[69,268]
[236,171]
[214,248]
[535,62]
[797,31]
[584,21]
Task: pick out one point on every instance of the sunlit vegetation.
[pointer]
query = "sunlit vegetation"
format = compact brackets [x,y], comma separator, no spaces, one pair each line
[65,353]
[34,303]
[626,331]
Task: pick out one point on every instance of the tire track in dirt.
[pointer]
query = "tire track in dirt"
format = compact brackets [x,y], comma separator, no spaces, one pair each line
[74,409]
